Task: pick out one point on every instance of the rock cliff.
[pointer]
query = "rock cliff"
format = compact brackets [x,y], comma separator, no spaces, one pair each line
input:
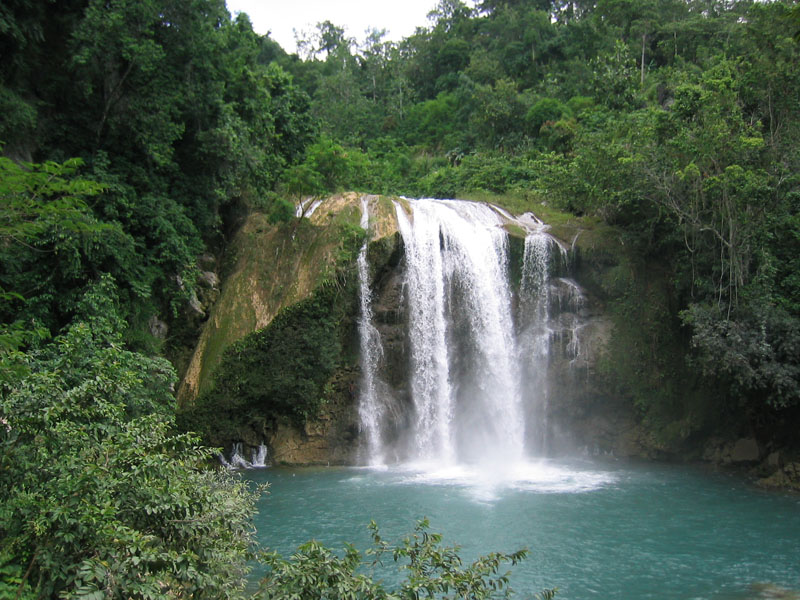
[613,353]
[268,271]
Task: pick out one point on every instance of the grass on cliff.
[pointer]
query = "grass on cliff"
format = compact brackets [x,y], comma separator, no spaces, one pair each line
[588,232]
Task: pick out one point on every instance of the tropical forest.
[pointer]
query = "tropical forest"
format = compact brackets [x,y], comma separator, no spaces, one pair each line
[509,307]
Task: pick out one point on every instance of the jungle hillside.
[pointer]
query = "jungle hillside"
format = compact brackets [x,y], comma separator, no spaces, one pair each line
[137,136]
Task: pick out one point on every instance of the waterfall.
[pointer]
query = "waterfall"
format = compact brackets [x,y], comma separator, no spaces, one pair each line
[535,332]
[306,208]
[237,460]
[430,378]
[464,379]
[311,209]
[570,302]
[259,457]
[477,352]
[370,408]
[549,324]
[301,207]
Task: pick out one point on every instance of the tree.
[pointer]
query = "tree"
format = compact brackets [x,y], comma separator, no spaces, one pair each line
[171,109]
[498,113]
[98,497]
[47,231]
[753,357]
[37,197]
[449,14]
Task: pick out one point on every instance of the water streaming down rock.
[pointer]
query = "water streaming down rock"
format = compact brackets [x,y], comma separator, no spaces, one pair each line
[307,207]
[259,457]
[370,409]
[534,334]
[550,320]
[544,300]
[237,460]
[478,352]
[463,374]
[570,302]
[301,207]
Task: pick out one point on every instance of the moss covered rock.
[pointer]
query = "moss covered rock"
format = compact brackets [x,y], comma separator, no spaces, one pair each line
[277,359]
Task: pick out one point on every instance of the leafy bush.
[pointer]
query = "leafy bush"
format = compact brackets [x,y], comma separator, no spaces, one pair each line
[431,570]
[545,109]
[98,497]
[756,356]
[432,122]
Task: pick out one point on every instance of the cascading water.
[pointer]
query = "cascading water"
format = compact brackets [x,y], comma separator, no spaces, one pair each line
[259,457]
[477,382]
[301,207]
[534,332]
[430,380]
[570,302]
[307,207]
[464,378]
[237,461]
[371,411]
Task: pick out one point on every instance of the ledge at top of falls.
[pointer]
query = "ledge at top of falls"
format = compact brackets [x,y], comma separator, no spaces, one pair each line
[269,267]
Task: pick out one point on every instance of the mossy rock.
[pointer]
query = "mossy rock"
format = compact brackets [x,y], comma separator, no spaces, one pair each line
[283,336]
[267,268]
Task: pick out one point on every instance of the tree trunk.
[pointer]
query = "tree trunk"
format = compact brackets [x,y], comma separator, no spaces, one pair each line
[644,39]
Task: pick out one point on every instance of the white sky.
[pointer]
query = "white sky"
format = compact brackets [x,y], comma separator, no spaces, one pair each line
[280,17]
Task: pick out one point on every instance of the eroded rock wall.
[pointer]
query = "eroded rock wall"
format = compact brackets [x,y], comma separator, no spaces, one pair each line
[269,269]
[594,388]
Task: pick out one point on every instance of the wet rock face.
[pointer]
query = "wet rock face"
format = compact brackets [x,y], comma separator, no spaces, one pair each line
[738,452]
[390,318]
[334,437]
[786,477]
[391,322]
[580,417]
[330,440]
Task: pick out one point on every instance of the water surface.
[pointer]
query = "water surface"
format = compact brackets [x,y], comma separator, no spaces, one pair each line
[594,530]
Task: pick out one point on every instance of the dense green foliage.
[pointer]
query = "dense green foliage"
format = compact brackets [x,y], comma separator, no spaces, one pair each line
[172,110]
[45,227]
[174,121]
[135,134]
[100,498]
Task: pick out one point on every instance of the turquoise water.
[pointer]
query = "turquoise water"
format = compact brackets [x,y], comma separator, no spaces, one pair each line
[594,530]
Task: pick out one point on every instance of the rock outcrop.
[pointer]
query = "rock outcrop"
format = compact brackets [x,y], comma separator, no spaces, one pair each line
[267,269]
